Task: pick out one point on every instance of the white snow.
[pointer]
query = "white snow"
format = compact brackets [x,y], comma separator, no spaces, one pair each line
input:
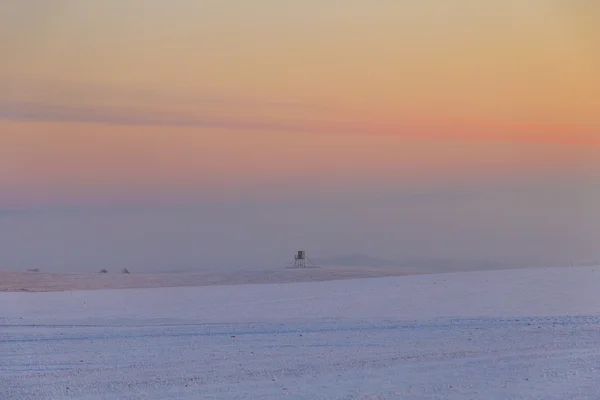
[517,334]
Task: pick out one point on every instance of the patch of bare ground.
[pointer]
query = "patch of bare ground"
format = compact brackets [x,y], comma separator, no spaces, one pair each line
[50,282]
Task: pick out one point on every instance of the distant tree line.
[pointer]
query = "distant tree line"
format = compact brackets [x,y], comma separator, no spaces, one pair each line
[124,271]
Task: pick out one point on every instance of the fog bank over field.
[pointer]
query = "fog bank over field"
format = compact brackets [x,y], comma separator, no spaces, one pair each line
[434,232]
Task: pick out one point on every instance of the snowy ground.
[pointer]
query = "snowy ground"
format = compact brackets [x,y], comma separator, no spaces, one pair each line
[519,334]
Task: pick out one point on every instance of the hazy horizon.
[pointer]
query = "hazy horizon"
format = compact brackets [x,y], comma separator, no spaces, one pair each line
[526,226]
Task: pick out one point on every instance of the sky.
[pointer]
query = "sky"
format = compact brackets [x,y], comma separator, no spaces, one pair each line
[165,135]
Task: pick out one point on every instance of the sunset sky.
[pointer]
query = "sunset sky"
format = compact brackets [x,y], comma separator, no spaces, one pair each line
[333,110]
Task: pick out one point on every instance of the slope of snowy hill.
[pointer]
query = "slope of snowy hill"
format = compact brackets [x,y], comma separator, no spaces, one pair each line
[522,334]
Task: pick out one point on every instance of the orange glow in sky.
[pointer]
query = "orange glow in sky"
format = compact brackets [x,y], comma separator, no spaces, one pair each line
[116,100]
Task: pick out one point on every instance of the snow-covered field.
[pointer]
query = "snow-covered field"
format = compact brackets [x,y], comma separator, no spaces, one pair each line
[519,334]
